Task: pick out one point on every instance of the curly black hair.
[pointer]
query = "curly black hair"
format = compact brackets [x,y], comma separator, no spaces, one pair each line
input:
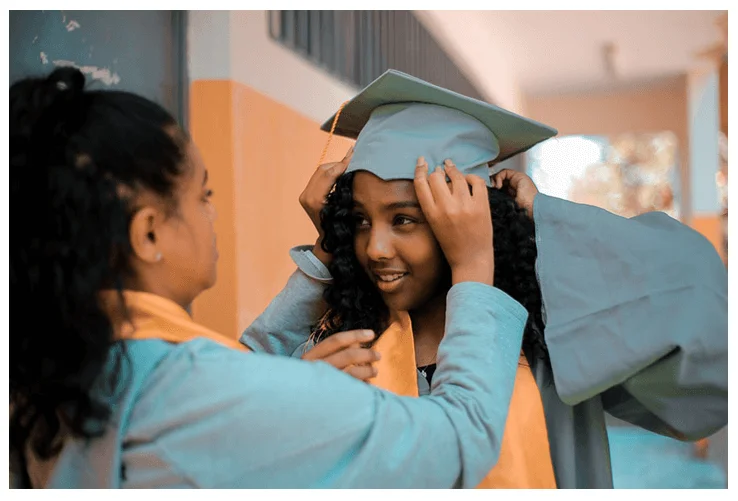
[354,302]
[74,154]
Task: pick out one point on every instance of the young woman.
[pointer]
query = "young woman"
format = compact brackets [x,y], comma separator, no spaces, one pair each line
[626,316]
[113,385]
[386,260]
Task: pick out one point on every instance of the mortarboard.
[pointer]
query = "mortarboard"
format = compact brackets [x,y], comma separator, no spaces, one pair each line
[398,118]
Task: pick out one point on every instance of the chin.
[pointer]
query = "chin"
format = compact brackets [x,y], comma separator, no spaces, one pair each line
[207,282]
[213,279]
[401,303]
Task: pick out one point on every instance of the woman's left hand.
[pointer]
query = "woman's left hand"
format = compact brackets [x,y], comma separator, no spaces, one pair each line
[344,351]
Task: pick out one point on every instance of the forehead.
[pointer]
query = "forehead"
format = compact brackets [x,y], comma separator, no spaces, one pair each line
[369,190]
[194,158]
[193,168]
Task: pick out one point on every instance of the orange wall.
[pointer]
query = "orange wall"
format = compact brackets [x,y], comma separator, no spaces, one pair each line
[711,227]
[724,97]
[211,126]
[647,109]
[260,155]
[656,108]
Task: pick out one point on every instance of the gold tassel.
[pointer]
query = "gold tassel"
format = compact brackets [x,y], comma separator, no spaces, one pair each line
[330,134]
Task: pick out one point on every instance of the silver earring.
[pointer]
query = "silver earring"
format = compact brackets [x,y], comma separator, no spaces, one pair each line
[158,256]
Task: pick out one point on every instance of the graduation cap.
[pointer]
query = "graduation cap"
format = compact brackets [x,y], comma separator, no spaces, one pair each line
[398,118]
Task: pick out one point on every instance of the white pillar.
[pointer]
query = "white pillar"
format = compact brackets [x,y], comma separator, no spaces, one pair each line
[704,126]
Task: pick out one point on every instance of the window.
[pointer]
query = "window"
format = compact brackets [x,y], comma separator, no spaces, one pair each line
[628,175]
[358,46]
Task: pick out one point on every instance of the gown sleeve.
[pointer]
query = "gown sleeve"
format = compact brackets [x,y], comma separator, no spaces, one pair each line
[636,311]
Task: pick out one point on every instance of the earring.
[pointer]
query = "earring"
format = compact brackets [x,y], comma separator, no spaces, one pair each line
[158,257]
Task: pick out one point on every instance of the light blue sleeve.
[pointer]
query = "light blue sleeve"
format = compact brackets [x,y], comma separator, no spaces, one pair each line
[637,312]
[286,323]
[216,418]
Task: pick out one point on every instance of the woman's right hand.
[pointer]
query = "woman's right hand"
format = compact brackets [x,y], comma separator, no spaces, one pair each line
[344,351]
[314,196]
[459,215]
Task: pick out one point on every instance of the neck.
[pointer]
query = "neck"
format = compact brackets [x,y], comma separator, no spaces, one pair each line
[159,288]
[429,323]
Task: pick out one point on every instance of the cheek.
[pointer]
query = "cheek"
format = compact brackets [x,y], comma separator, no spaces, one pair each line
[203,232]
[208,239]
[360,243]
[422,252]
[208,219]
[427,263]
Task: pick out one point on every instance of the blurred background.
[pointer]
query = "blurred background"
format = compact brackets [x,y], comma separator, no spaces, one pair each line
[640,99]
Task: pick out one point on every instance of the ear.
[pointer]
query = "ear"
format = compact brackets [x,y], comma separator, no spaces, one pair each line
[143,234]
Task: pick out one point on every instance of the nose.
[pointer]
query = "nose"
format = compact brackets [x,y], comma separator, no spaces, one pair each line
[380,246]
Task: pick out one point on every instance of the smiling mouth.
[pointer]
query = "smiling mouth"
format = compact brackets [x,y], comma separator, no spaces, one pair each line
[389,282]
[389,277]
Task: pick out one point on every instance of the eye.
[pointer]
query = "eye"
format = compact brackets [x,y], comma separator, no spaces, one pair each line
[208,194]
[403,220]
[361,221]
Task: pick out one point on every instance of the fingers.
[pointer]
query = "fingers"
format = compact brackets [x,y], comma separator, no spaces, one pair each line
[498,178]
[344,352]
[344,359]
[315,193]
[439,188]
[349,154]
[479,196]
[362,372]
[434,188]
[478,187]
[326,175]
[338,342]
[422,188]
[459,184]
[502,176]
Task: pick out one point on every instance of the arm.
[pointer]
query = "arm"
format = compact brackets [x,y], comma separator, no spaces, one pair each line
[636,311]
[286,323]
[253,420]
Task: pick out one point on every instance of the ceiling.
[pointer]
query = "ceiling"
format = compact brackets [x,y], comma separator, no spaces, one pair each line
[544,52]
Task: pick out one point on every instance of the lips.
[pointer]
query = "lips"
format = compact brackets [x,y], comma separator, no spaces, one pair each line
[390,277]
[389,280]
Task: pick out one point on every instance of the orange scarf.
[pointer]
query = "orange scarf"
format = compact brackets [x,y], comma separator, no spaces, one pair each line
[153,317]
[525,459]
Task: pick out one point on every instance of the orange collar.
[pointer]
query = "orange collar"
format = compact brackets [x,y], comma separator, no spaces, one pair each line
[153,317]
[525,459]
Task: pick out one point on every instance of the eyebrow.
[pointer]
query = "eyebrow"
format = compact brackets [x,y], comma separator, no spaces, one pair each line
[407,204]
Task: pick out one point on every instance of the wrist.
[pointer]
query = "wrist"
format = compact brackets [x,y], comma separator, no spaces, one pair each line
[480,270]
[529,206]
[322,255]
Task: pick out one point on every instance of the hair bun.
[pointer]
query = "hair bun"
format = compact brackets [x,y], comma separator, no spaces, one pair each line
[61,109]
[62,91]
[44,114]
[68,81]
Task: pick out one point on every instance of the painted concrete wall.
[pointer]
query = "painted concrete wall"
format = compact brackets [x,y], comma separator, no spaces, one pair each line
[255,114]
[130,50]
